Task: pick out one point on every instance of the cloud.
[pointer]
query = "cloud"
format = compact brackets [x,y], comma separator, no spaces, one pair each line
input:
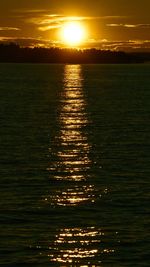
[29,42]
[9,29]
[104,44]
[44,20]
[48,22]
[143,26]
[128,46]
[27,11]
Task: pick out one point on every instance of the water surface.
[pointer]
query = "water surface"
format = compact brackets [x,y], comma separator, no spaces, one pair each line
[75,165]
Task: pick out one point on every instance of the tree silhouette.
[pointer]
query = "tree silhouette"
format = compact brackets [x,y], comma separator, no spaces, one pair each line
[14,53]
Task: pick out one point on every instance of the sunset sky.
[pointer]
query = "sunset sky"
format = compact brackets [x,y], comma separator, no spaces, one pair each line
[110,24]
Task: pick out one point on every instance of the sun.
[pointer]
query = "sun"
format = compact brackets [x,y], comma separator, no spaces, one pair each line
[73,33]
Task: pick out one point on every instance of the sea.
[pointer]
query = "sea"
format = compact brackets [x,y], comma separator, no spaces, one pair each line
[75,165]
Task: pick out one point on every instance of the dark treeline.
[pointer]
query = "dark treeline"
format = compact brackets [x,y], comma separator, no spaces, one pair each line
[14,53]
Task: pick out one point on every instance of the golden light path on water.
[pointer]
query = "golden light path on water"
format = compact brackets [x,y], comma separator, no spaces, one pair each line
[69,173]
[72,156]
[79,246]
[78,242]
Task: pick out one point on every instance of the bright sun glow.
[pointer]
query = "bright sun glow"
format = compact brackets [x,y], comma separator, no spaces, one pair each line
[73,33]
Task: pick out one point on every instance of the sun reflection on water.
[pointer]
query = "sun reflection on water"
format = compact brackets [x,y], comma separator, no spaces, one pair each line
[79,245]
[72,196]
[73,118]
[70,158]
[78,240]
[76,244]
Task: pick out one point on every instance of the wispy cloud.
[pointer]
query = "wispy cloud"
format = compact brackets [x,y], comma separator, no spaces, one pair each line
[29,42]
[27,11]
[128,46]
[9,29]
[104,44]
[47,21]
[143,26]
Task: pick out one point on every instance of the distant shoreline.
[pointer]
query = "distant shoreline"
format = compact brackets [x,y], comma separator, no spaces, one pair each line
[13,53]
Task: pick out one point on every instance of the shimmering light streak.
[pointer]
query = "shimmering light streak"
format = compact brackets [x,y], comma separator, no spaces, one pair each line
[72,196]
[70,166]
[74,245]
[72,157]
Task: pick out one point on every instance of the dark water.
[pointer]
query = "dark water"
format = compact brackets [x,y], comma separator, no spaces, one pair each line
[75,165]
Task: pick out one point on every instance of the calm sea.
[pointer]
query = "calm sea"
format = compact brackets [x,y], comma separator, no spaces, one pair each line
[75,165]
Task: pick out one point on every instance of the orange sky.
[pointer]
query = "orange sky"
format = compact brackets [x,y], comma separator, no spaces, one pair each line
[117,24]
